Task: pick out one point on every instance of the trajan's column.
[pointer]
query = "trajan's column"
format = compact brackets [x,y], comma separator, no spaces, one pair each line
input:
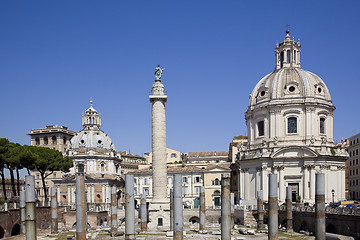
[159,209]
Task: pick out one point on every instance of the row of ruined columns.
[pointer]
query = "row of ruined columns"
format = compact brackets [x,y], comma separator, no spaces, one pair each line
[28,209]
[176,208]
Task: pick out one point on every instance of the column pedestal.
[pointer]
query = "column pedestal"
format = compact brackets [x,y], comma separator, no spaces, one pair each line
[159,210]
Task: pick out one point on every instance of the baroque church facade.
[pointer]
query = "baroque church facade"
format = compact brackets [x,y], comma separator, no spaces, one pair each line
[290,133]
[94,149]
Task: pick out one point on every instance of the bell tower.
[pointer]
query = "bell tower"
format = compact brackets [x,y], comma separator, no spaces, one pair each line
[288,53]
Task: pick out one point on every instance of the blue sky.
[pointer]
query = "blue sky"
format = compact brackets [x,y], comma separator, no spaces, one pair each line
[55,55]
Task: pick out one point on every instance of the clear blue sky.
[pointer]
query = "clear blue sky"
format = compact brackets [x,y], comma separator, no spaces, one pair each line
[55,55]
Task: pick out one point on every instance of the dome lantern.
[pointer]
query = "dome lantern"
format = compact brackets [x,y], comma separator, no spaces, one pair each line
[287,53]
[91,119]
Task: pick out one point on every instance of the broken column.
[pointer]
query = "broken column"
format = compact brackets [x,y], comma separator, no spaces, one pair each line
[320,206]
[143,213]
[129,207]
[202,213]
[171,209]
[225,207]
[30,209]
[260,209]
[114,220]
[54,211]
[273,207]
[178,208]
[22,211]
[81,221]
[288,209]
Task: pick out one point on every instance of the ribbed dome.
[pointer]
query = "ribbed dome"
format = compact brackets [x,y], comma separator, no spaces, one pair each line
[290,83]
[91,140]
[87,140]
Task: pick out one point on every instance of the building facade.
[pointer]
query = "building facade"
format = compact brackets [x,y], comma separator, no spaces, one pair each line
[290,133]
[172,156]
[193,177]
[354,167]
[55,137]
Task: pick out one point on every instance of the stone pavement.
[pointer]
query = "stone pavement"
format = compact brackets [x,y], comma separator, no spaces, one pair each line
[102,234]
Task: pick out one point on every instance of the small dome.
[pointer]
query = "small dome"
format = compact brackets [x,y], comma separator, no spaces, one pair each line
[290,83]
[91,140]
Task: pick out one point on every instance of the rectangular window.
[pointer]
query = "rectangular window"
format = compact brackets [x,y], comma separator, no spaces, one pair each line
[173,155]
[322,125]
[135,180]
[196,179]
[217,201]
[261,128]
[160,221]
[145,181]
[292,125]
[54,176]
[146,191]
[184,180]
[135,191]
[197,190]
[184,190]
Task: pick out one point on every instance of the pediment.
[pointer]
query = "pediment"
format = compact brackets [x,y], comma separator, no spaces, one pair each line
[217,169]
[294,152]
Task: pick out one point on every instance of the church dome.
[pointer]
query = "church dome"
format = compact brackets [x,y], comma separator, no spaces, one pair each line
[290,83]
[289,106]
[91,140]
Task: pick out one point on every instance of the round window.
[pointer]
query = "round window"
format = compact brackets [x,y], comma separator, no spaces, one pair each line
[99,141]
[319,89]
[82,141]
[262,93]
[292,88]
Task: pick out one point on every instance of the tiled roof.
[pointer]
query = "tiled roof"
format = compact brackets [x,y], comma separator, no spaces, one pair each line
[207,154]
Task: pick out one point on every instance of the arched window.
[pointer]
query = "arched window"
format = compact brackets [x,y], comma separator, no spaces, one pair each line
[261,128]
[46,141]
[64,140]
[294,55]
[54,141]
[292,125]
[288,56]
[89,120]
[102,167]
[216,181]
[322,125]
[281,58]
[37,141]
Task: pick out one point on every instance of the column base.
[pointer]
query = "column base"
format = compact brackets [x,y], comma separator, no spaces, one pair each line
[159,216]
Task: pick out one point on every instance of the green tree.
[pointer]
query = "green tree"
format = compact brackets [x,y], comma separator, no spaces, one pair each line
[46,161]
[11,157]
[3,149]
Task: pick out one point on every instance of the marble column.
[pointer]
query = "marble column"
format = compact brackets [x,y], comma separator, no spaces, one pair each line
[282,187]
[305,182]
[246,184]
[103,193]
[312,183]
[264,181]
